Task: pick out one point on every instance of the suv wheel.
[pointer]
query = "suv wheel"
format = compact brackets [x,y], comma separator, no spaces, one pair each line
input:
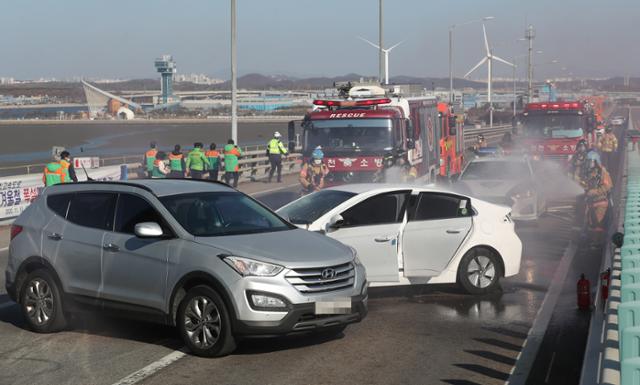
[41,303]
[479,271]
[204,324]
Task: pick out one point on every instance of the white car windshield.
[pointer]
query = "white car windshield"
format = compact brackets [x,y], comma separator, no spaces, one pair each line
[497,170]
[311,207]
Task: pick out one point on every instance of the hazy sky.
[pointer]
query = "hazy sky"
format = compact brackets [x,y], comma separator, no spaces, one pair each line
[64,38]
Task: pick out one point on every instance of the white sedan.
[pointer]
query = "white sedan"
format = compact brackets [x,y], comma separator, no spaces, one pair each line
[414,235]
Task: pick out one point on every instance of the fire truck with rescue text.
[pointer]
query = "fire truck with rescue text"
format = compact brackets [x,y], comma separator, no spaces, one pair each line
[366,134]
[551,130]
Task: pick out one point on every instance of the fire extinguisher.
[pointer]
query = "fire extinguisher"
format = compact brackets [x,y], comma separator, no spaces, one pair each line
[605,278]
[584,293]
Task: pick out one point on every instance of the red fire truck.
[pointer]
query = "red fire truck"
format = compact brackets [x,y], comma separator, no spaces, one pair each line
[365,136]
[552,129]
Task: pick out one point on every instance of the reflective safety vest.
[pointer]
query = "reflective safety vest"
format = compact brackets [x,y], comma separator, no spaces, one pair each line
[214,159]
[275,147]
[196,160]
[175,161]
[231,155]
[65,165]
[608,142]
[54,173]
[150,157]
[155,171]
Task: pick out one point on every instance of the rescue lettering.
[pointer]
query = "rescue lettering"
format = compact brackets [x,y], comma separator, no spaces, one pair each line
[347,115]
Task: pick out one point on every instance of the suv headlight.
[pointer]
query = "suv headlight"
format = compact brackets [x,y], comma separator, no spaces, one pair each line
[248,267]
[356,260]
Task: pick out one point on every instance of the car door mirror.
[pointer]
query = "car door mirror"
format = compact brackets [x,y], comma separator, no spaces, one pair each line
[148,230]
[335,223]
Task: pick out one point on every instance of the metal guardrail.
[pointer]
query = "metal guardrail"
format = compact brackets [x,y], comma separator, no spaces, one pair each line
[491,134]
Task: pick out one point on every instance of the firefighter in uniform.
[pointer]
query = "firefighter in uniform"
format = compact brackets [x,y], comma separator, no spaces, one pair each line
[214,161]
[608,145]
[313,173]
[150,157]
[176,163]
[578,165]
[597,187]
[275,151]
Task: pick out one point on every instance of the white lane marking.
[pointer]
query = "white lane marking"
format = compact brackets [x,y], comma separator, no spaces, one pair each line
[152,368]
[6,305]
[527,355]
[553,358]
[258,193]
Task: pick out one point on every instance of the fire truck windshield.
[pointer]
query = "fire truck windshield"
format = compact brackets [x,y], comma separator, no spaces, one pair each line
[553,126]
[350,134]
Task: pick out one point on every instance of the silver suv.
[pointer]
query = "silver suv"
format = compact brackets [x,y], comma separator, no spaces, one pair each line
[197,255]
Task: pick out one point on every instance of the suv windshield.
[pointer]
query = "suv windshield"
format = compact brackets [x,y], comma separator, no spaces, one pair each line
[496,171]
[222,213]
[306,210]
[553,126]
[350,134]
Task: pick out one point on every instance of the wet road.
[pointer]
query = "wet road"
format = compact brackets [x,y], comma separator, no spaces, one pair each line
[417,335]
[31,143]
[426,335]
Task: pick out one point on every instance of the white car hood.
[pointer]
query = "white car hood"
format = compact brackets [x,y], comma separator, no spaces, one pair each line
[489,188]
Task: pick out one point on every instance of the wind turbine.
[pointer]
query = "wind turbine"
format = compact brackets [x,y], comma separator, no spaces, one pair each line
[489,58]
[386,56]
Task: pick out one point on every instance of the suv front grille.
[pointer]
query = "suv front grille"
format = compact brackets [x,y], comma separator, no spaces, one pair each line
[311,280]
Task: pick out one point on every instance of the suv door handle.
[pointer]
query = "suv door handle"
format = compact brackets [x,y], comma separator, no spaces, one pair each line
[54,236]
[383,239]
[110,247]
[454,231]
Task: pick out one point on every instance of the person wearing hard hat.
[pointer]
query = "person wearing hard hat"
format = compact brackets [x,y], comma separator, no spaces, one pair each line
[608,145]
[275,151]
[597,187]
[313,173]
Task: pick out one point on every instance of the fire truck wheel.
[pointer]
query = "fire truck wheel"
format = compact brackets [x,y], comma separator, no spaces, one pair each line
[479,271]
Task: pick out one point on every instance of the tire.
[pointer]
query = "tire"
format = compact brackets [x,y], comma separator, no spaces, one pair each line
[197,330]
[479,271]
[41,303]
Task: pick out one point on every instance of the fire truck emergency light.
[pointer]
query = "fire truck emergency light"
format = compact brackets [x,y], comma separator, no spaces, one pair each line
[554,106]
[351,103]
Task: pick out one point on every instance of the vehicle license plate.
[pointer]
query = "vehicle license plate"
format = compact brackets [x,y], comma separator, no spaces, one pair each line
[337,306]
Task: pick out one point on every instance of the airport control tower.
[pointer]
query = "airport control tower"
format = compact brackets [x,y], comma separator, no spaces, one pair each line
[167,67]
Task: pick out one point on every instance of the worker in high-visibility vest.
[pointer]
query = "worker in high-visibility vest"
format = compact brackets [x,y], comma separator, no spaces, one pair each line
[232,154]
[70,171]
[54,173]
[149,158]
[608,145]
[160,169]
[275,151]
[213,156]
[176,163]
[197,162]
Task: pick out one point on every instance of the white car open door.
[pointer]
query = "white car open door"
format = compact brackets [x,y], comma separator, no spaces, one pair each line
[437,225]
[372,227]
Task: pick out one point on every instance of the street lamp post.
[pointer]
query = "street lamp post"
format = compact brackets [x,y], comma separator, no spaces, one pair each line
[530,35]
[451,28]
[234,80]
[380,43]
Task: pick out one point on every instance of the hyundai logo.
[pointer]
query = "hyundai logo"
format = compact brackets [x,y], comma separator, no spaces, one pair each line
[328,273]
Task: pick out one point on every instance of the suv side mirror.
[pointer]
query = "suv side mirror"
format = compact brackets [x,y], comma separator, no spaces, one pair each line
[291,134]
[335,223]
[148,230]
